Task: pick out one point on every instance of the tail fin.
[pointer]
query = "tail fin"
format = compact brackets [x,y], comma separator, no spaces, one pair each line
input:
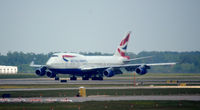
[122,47]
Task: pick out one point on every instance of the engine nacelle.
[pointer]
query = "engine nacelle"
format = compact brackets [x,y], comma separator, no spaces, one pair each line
[51,74]
[109,72]
[141,70]
[41,71]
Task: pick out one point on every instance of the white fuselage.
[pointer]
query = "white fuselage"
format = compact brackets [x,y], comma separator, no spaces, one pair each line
[77,61]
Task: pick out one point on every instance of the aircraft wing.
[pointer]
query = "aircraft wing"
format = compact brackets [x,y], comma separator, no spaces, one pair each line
[35,66]
[133,66]
[161,64]
[151,64]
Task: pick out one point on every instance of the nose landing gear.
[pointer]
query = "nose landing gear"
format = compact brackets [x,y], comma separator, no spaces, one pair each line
[57,78]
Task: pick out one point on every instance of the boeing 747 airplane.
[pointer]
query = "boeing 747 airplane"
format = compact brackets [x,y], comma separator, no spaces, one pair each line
[94,67]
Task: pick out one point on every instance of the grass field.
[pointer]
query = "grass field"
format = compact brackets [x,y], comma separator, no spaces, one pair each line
[107,105]
[111,92]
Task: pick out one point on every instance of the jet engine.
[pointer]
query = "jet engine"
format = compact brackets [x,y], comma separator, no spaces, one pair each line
[109,72]
[41,71]
[141,70]
[51,74]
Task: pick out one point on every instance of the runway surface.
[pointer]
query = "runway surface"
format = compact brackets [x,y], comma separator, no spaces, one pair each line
[117,80]
[52,81]
[98,98]
[113,81]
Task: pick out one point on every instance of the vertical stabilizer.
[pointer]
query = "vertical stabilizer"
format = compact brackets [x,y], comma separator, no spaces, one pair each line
[121,50]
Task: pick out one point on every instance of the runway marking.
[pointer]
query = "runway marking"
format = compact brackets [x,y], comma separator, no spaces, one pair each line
[127,87]
[99,98]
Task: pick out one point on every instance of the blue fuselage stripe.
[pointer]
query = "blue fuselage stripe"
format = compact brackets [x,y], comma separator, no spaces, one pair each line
[67,71]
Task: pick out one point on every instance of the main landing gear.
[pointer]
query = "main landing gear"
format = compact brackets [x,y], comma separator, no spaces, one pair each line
[94,77]
[57,79]
[73,78]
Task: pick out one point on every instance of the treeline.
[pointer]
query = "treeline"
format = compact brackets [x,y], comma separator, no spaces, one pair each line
[22,60]
[187,62]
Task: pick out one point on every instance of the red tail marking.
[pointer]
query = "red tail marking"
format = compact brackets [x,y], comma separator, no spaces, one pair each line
[125,40]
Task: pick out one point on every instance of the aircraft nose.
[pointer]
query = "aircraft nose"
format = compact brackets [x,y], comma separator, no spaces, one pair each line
[49,63]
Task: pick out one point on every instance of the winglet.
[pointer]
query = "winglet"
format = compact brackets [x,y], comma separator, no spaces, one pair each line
[32,63]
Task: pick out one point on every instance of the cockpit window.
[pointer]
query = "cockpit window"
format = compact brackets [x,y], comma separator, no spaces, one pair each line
[54,56]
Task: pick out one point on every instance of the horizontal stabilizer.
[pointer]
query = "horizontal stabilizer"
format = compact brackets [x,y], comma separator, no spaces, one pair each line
[140,58]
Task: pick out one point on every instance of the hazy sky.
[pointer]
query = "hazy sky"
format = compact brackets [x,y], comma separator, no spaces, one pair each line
[43,26]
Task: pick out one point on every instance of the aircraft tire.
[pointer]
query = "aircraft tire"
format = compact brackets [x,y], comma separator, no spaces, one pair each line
[97,78]
[73,78]
[57,78]
[63,81]
[85,78]
[94,78]
[100,78]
